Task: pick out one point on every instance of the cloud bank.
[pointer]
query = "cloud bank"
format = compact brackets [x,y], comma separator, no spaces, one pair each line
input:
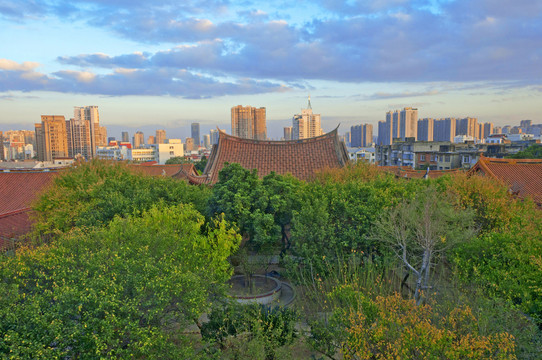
[207,41]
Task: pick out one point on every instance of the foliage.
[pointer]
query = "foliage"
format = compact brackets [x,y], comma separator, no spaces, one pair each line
[354,283]
[391,327]
[273,326]
[262,208]
[200,165]
[121,291]
[420,230]
[494,208]
[338,211]
[532,152]
[508,265]
[93,193]
[178,160]
[506,259]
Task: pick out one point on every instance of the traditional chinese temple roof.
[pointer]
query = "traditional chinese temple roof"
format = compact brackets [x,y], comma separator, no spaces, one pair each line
[522,176]
[301,158]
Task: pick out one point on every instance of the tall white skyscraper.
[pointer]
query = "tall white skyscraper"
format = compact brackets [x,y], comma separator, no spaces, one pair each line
[306,124]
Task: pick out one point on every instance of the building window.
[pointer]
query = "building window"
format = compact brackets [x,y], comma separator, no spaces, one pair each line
[447,158]
[422,157]
[172,153]
[466,159]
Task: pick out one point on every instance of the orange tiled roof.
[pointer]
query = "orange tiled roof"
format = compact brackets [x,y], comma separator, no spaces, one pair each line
[301,158]
[187,171]
[523,176]
[18,189]
[15,224]
[156,170]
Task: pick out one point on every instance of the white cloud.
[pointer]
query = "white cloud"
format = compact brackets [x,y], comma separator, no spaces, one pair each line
[10,65]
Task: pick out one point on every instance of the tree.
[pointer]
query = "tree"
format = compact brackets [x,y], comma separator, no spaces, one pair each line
[200,165]
[273,327]
[262,209]
[507,265]
[93,193]
[338,211]
[418,231]
[121,291]
[178,160]
[532,152]
[393,328]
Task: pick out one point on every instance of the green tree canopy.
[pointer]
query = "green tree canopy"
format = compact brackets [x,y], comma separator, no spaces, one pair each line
[261,208]
[532,152]
[93,193]
[122,291]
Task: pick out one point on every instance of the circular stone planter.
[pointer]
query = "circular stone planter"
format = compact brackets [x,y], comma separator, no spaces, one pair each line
[263,298]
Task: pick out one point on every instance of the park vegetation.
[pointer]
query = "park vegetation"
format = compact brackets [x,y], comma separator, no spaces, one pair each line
[120,265]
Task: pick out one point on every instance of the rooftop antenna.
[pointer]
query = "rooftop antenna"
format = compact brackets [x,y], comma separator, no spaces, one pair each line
[309,106]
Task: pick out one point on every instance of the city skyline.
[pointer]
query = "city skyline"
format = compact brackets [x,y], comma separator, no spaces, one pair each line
[172,64]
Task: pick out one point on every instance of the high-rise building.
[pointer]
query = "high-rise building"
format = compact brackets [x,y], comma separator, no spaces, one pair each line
[306,124]
[1,146]
[444,129]
[139,140]
[125,136]
[260,125]
[408,126]
[195,134]
[525,123]
[506,129]
[151,140]
[355,135]
[367,135]
[160,137]
[468,126]
[488,129]
[51,138]
[97,133]
[393,121]
[425,129]
[79,138]
[189,144]
[384,133]
[497,130]
[207,141]
[288,133]
[214,136]
[248,122]
[361,135]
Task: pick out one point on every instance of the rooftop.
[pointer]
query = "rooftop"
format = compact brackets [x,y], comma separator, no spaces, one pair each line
[158,170]
[18,190]
[301,158]
[522,176]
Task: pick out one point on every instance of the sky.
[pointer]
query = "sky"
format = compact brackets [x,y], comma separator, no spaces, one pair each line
[168,63]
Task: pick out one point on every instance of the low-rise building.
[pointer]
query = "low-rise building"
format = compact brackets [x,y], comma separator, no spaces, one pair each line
[366,154]
[173,148]
[142,154]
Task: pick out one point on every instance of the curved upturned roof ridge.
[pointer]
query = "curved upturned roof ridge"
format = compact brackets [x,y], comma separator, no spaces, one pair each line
[301,158]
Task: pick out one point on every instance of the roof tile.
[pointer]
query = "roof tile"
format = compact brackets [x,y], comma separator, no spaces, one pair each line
[301,158]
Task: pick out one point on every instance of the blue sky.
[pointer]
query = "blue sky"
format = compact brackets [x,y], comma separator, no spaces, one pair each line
[167,63]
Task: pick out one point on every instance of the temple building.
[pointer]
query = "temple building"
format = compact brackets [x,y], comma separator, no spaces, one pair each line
[301,158]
